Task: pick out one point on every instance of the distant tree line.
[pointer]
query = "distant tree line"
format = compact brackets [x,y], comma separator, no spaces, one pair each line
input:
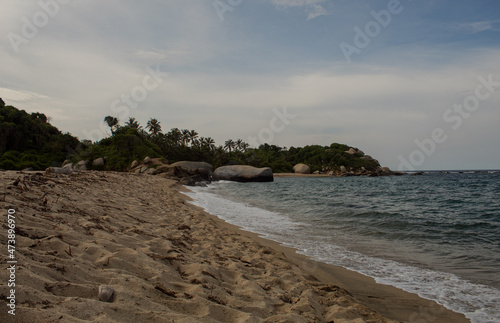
[28,140]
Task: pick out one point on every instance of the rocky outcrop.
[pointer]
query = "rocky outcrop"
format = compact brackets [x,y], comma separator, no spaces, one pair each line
[301,169]
[187,172]
[244,173]
[195,168]
[98,162]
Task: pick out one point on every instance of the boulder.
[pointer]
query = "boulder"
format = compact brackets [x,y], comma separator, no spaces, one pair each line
[98,162]
[82,165]
[301,169]
[58,170]
[68,166]
[147,160]
[203,169]
[343,169]
[367,157]
[244,173]
[351,151]
[134,164]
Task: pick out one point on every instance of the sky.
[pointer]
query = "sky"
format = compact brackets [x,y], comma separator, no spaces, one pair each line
[415,84]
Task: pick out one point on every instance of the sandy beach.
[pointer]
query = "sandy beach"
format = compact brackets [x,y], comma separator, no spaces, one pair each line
[167,261]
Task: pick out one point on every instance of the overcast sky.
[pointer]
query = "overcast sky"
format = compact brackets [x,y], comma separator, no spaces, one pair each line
[412,83]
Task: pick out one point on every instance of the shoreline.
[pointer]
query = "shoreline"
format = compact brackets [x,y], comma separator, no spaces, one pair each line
[389,301]
[301,175]
[169,260]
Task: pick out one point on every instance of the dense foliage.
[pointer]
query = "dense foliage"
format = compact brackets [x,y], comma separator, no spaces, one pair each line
[30,141]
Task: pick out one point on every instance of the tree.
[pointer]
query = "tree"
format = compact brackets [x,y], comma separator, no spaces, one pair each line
[112,123]
[185,137]
[229,145]
[193,136]
[132,123]
[174,136]
[154,127]
[241,145]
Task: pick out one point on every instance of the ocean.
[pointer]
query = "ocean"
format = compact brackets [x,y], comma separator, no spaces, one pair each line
[436,235]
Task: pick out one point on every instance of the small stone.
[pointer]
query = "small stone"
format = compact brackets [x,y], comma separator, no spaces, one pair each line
[105,293]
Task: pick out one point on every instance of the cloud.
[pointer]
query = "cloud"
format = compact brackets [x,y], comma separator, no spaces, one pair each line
[313,8]
[477,26]
[18,96]
[316,11]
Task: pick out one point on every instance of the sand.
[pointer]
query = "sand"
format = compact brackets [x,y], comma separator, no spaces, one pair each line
[167,261]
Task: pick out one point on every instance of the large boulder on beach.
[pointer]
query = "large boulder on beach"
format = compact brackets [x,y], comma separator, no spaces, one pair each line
[244,173]
[195,168]
[302,169]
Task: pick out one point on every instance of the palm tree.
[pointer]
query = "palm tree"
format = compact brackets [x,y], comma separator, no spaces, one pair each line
[185,137]
[132,123]
[112,123]
[193,136]
[154,127]
[229,145]
[175,136]
[207,143]
[241,145]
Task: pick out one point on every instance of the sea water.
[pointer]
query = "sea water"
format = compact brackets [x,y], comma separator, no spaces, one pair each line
[436,235]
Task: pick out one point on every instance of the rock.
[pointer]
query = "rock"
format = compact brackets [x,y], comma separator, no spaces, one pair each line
[58,170]
[98,162]
[29,169]
[106,293]
[203,169]
[316,172]
[244,173]
[367,157]
[343,169]
[150,171]
[386,169]
[82,165]
[134,164]
[302,169]
[144,169]
[351,151]
[68,166]
[147,160]
[331,173]
[67,161]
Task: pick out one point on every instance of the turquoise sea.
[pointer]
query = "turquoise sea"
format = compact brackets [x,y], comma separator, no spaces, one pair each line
[436,235]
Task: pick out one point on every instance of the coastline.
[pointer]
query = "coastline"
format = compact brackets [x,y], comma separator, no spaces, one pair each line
[170,260]
[300,175]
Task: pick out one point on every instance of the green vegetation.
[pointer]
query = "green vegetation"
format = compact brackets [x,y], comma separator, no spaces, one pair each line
[30,141]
